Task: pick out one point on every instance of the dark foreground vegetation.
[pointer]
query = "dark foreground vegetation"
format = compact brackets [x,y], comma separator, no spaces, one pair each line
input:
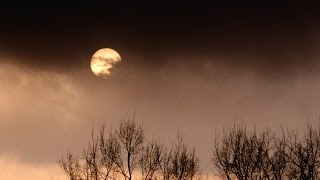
[125,153]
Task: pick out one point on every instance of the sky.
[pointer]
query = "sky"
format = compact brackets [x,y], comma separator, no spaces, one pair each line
[188,68]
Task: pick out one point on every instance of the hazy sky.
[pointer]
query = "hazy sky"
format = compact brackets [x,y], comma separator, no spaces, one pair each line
[192,68]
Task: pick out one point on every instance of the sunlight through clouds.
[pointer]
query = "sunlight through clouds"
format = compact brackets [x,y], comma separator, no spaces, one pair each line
[13,169]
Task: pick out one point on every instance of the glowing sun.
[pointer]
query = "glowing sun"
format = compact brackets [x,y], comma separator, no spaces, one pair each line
[103,61]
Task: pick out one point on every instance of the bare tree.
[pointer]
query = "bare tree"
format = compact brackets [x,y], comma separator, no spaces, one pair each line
[117,154]
[70,166]
[110,154]
[107,157]
[185,165]
[92,162]
[150,159]
[274,164]
[239,154]
[179,163]
[165,164]
[250,156]
[303,156]
[89,166]
[131,138]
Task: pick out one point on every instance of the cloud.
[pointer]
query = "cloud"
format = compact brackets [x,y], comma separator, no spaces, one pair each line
[13,169]
[45,113]
[35,108]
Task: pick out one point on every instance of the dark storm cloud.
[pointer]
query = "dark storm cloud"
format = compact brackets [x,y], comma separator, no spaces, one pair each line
[276,36]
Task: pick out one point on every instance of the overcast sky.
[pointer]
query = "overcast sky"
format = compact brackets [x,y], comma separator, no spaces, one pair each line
[192,68]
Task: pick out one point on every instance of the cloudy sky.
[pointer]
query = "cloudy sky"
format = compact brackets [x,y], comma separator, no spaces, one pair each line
[192,68]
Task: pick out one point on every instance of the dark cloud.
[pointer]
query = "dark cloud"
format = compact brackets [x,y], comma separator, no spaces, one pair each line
[250,34]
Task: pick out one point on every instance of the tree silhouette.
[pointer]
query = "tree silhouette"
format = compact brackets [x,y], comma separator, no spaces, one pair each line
[150,159]
[179,163]
[274,162]
[304,155]
[239,154]
[131,138]
[250,156]
[71,166]
[184,163]
[118,153]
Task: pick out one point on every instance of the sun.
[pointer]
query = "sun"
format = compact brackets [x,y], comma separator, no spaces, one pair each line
[103,61]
